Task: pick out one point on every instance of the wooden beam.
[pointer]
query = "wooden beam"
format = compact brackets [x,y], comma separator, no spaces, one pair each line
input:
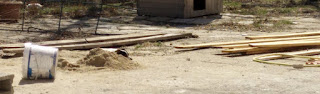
[313,42]
[253,50]
[219,44]
[284,36]
[111,43]
[238,50]
[84,40]
[267,50]
[303,53]
[234,46]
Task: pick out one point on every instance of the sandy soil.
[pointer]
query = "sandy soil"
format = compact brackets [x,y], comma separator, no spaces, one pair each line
[170,71]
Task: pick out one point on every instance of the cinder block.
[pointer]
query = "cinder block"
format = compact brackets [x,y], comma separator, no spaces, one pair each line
[6,83]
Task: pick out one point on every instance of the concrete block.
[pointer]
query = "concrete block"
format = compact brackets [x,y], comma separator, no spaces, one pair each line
[6,81]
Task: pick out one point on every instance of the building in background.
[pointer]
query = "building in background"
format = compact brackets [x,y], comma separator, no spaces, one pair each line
[179,8]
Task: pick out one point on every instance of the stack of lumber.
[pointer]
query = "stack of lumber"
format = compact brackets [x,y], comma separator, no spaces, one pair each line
[96,42]
[264,44]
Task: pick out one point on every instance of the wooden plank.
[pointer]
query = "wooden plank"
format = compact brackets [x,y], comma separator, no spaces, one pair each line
[284,36]
[238,50]
[267,50]
[235,46]
[298,43]
[112,43]
[218,44]
[86,40]
[304,53]
[253,50]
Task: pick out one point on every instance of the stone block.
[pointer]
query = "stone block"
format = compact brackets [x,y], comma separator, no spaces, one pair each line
[6,81]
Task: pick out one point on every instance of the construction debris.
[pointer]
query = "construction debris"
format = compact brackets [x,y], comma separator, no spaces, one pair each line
[265,44]
[6,81]
[90,43]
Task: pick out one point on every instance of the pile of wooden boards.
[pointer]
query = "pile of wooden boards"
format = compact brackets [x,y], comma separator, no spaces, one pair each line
[265,44]
[96,42]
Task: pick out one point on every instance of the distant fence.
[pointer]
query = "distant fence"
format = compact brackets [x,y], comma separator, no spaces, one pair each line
[60,15]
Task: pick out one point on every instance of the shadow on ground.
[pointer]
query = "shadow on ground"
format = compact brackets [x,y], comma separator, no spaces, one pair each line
[26,82]
[203,20]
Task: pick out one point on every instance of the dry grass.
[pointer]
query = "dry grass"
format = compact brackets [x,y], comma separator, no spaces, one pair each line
[271,8]
[260,24]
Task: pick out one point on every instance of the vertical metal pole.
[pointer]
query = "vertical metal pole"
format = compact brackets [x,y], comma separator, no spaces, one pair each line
[97,26]
[23,14]
[61,13]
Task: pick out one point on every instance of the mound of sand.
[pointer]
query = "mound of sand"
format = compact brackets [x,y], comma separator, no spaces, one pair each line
[100,58]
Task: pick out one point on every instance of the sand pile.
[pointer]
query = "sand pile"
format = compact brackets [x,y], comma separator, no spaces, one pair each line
[100,58]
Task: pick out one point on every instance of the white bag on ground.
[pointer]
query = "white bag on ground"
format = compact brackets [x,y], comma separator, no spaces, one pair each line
[39,62]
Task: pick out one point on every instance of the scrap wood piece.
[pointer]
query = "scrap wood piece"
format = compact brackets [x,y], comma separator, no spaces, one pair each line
[112,43]
[283,36]
[315,42]
[86,40]
[219,44]
[302,53]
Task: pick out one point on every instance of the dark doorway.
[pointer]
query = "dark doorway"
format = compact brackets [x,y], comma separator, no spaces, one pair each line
[199,4]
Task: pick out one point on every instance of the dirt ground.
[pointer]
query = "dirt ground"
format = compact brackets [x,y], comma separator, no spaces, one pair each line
[166,70]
